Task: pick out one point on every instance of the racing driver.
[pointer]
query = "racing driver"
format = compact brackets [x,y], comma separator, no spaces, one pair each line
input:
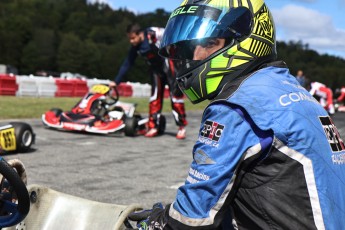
[268,155]
[146,43]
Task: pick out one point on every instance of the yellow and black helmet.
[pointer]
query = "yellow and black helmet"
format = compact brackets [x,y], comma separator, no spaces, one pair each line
[247,32]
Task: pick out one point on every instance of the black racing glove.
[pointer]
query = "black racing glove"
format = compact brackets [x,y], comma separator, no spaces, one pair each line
[142,217]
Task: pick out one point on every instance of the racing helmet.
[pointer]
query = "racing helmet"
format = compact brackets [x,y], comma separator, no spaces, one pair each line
[239,36]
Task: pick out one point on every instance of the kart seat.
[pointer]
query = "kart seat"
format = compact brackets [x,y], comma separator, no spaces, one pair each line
[53,210]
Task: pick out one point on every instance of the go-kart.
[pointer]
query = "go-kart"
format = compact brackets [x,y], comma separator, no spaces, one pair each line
[39,207]
[101,112]
[16,137]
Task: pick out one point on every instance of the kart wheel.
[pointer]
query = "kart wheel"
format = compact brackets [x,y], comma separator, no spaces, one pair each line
[25,137]
[161,124]
[142,126]
[131,124]
[56,111]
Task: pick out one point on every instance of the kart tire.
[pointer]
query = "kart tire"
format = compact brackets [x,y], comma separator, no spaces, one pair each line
[25,137]
[161,124]
[131,124]
[19,187]
[56,111]
[139,118]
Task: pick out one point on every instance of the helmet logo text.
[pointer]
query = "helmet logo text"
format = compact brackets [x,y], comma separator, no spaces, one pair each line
[184,10]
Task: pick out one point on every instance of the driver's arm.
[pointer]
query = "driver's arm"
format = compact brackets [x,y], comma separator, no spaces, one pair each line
[127,63]
[224,138]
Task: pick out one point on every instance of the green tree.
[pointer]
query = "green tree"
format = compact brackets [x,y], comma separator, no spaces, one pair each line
[14,35]
[39,53]
[75,23]
[30,58]
[91,59]
[70,54]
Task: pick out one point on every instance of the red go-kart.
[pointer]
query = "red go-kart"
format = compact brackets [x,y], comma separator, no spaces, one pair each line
[99,111]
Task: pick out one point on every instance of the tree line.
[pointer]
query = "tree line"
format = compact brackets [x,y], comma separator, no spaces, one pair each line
[89,39]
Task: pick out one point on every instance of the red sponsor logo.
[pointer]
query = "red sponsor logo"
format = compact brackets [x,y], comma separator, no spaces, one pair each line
[212,130]
[73,126]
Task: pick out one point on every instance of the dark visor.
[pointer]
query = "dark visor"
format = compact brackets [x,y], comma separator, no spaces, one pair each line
[191,25]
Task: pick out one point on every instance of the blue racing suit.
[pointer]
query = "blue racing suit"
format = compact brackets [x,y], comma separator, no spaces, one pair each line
[268,156]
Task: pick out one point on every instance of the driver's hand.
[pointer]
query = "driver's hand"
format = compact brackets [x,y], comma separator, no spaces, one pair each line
[142,217]
[112,84]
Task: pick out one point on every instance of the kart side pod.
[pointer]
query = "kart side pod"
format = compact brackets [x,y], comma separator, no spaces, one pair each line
[53,210]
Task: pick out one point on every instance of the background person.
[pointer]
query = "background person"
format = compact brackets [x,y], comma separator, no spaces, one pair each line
[258,163]
[323,94]
[301,78]
[342,95]
[145,43]
[340,100]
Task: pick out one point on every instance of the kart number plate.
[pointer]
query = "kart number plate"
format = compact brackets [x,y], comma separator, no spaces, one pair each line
[8,139]
[102,89]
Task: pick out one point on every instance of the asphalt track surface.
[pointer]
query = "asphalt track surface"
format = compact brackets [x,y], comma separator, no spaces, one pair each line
[115,169]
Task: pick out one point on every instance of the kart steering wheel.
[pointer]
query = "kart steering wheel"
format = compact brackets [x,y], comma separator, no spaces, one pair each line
[14,196]
[114,95]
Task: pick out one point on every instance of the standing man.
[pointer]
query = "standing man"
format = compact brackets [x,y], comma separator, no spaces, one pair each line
[268,155]
[146,43]
[301,78]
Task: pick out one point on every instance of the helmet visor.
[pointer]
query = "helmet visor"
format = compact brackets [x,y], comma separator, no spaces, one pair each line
[193,25]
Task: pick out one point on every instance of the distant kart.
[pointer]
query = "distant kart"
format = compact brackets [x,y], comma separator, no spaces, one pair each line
[16,137]
[101,112]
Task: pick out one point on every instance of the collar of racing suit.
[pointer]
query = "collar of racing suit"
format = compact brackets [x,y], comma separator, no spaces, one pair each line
[230,87]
